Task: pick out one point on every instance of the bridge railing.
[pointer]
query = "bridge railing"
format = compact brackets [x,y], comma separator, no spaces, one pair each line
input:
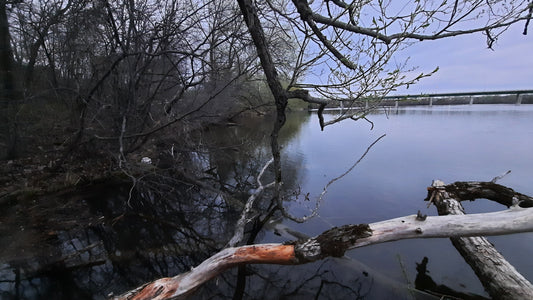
[493,97]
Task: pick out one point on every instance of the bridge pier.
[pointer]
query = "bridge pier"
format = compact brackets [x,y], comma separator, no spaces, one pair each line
[471,100]
[430,101]
[519,99]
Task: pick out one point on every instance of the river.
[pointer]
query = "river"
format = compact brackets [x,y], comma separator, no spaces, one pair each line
[107,243]
[450,143]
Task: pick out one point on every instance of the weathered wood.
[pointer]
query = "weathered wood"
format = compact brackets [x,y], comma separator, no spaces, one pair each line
[335,242]
[513,220]
[181,286]
[488,190]
[500,279]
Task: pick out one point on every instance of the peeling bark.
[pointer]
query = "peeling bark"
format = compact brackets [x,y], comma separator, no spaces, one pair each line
[335,242]
[488,190]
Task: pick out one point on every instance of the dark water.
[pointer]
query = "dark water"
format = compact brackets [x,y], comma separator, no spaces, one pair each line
[99,242]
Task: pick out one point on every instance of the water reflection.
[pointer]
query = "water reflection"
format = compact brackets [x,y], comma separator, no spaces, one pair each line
[108,237]
[91,241]
[106,245]
[422,144]
[424,282]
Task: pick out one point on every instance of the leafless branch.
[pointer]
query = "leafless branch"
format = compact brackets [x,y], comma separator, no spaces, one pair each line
[318,202]
[243,220]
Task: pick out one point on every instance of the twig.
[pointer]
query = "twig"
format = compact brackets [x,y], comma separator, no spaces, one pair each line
[433,193]
[122,158]
[500,177]
[243,220]
[406,277]
[314,212]
[528,18]
[121,142]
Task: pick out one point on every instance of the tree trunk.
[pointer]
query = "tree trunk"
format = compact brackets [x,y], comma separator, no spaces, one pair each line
[498,276]
[7,88]
[281,99]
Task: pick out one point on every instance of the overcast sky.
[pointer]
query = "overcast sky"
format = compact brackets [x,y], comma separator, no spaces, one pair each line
[466,64]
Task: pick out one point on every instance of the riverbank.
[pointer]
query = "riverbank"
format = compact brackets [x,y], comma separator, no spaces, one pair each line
[45,166]
[40,174]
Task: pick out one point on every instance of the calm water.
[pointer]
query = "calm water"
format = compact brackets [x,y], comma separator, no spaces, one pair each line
[451,143]
[87,243]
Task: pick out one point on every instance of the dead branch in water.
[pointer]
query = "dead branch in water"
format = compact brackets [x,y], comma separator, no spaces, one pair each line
[500,279]
[335,242]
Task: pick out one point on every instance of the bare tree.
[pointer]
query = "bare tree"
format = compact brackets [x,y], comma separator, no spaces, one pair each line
[127,70]
[355,44]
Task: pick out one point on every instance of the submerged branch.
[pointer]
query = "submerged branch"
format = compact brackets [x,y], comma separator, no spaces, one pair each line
[243,220]
[334,243]
[500,279]
[314,212]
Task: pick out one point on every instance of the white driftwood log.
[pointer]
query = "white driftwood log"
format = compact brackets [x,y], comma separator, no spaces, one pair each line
[512,220]
[500,279]
[335,242]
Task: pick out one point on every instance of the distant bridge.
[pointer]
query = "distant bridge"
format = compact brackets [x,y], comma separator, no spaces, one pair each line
[494,97]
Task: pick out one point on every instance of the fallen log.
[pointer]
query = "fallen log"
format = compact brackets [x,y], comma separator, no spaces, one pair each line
[499,278]
[335,242]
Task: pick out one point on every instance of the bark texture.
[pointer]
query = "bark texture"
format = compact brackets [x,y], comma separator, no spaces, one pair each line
[500,279]
[335,242]
[488,190]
